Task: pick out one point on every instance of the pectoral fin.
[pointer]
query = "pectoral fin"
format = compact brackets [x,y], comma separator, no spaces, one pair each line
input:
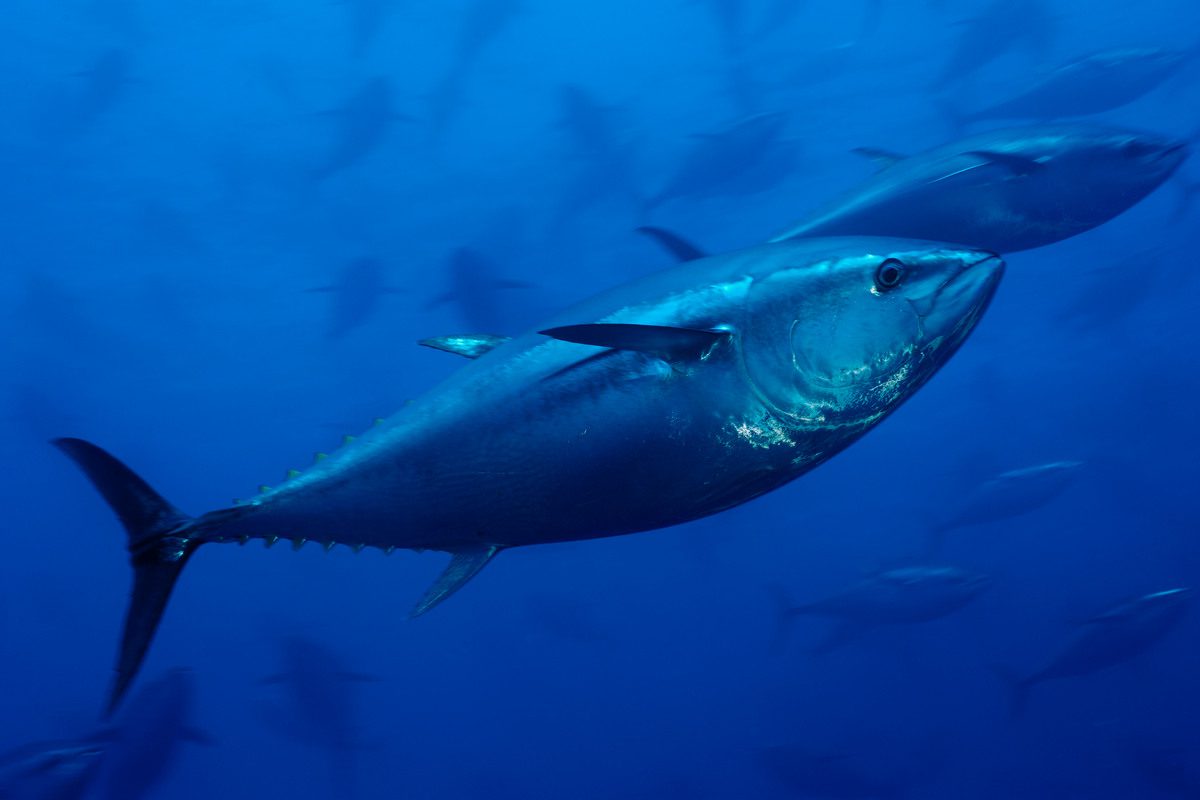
[467,345]
[669,343]
[464,565]
[676,245]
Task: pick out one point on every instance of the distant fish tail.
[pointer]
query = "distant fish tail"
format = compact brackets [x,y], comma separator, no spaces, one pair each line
[159,546]
[1018,690]
[1187,198]
[955,118]
[785,612]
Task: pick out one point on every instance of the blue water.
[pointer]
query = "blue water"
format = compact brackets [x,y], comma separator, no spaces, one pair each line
[161,234]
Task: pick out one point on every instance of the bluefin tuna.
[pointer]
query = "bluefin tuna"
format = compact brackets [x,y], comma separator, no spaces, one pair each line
[1009,494]
[151,732]
[1005,190]
[363,123]
[903,596]
[1090,85]
[318,689]
[63,770]
[1119,634]
[671,398]
[356,295]
[743,158]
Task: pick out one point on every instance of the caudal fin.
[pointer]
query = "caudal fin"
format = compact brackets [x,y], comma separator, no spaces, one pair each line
[1018,690]
[158,544]
[786,612]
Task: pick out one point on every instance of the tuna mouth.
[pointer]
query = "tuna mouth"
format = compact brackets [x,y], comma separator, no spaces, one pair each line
[971,285]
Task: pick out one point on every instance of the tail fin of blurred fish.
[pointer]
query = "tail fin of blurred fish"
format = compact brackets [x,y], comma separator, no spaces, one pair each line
[952,114]
[1187,199]
[159,547]
[786,612]
[1018,689]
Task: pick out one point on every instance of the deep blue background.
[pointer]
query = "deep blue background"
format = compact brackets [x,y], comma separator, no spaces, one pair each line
[153,300]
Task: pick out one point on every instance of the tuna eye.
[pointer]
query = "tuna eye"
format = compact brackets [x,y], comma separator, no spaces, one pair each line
[889,275]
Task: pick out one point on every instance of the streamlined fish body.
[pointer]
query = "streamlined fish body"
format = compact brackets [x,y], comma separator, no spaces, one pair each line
[1004,190]
[672,398]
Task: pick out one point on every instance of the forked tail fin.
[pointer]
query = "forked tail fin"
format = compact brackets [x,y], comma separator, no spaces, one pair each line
[158,543]
[1018,689]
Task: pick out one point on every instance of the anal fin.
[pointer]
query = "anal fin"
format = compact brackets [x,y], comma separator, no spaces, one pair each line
[464,565]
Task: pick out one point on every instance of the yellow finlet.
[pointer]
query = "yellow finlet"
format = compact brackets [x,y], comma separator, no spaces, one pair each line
[320,456]
[298,543]
[292,473]
[264,489]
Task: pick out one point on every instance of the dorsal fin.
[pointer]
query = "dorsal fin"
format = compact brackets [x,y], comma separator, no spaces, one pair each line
[669,343]
[881,158]
[673,243]
[464,565]
[467,345]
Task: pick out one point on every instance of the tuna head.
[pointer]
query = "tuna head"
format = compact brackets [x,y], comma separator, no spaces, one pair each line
[1161,609]
[1118,168]
[843,340]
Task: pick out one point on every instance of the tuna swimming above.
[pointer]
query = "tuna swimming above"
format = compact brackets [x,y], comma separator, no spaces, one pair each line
[1005,190]
[671,398]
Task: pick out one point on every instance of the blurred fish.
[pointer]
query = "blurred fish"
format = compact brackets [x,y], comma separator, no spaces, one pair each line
[1119,634]
[730,20]
[1009,494]
[121,18]
[63,770]
[903,596]
[1169,768]
[564,616]
[321,704]
[356,295]
[474,289]
[745,158]
[1091,85]
[167,231]
[483,21]
[668,399]
[366,18]
[150,733]
[841,776]
[999,29]
[1003,190]
[778,15]
[104,85]
[1105,296]
[363,122]
[604,162]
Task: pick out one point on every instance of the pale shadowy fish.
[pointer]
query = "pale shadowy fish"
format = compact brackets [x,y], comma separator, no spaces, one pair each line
[902,596]
[1090,85]
[1005,190]
[1119,634]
